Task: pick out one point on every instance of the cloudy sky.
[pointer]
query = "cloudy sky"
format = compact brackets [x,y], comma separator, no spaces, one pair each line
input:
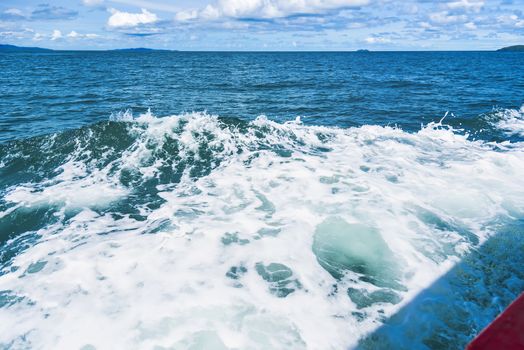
[263,24]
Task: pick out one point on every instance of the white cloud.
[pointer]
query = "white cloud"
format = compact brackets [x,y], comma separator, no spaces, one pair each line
[473,5]
[426,25]
[16,33]
[186,15]
[267,8]
[470,25]
[92,2]
[14,12]
[56,35]
[164,5]
[511,21]
[74,35]
[121,19]
[377,40]
[11,14]
[445,17]
[38,37]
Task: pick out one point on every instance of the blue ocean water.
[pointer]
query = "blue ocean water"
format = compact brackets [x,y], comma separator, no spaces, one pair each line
[259,200]
[45,92]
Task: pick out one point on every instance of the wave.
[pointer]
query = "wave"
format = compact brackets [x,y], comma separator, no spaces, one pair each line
[511,121]
[193,230]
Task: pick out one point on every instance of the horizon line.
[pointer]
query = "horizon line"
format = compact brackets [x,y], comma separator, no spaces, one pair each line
[361,50]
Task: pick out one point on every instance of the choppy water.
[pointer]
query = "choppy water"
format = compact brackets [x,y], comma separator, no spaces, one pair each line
[369,221]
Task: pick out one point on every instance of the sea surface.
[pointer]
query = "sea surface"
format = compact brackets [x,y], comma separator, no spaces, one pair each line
[178,200]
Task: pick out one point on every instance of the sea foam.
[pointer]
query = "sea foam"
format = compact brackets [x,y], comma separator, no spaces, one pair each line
[262,235]
[511,121]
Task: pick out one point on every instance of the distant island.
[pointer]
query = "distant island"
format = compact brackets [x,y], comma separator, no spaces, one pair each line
[515,48]
[21,48]
[13,48]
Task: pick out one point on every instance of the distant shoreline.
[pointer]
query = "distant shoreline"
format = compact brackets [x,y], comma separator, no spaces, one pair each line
[514,48]
[14,48]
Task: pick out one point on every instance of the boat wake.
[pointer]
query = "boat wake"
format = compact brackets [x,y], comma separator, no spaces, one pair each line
[194,231]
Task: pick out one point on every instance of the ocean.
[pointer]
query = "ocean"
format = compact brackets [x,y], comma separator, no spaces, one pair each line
[222,200]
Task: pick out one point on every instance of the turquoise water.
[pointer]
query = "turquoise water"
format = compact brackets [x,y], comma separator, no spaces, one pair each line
[258,200]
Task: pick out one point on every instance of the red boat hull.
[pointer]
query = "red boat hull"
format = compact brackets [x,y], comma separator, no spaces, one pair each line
[506,332]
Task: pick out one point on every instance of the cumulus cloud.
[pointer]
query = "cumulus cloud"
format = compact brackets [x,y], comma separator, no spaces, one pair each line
[186,15]
[267,9]
[75,35]
[120,19]
[511,21]
[56,35]
[38,36]
[382,23]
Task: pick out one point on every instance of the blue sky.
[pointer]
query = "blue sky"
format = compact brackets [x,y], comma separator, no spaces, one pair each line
[263,24]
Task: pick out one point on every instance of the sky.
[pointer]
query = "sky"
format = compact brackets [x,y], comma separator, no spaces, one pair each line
[263,25]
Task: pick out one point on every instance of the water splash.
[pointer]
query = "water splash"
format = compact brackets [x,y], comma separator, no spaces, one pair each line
[195,231]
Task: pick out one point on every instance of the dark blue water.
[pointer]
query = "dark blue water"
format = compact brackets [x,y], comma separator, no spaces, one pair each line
[259,200]
[46,92]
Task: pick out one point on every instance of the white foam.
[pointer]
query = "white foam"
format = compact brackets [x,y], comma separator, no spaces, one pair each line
[112,283]
[74,187]
[511,121]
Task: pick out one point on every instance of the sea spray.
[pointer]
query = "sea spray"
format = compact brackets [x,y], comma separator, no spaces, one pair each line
[193,231]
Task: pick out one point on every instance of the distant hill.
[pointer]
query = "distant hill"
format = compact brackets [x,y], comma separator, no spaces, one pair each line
[13,48]
[515,48]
